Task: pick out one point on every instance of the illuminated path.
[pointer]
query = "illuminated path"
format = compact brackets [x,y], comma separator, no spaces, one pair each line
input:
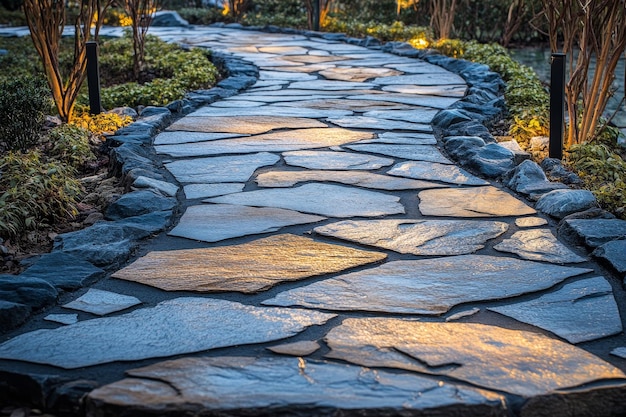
[329,256]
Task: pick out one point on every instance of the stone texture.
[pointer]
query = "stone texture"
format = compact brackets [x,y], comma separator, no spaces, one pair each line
[101,303]
[530,222]
[173,138]
[560,203]
[193,191]
[435,172]
[528,178]
[419,237]
[137,203]
[443,78]
[457,91]
[251,125]
[172,327]
[538,245]
[356,73]
[471,202]
[518,362]
[248,268]
[614,253]
[415,152]
[322,199]
[619,352]
[166,188]
[418,115]
[62,318]
[215,222]
[289,140]
[335,160]
[103,244]
[12,314]
[414,100]
[579,312]
[302,348]
[279,105]
[64,271]
[363,122]
[238,386]
[593,232]
[427,286]
[238,168]
[358,178]
[401,138]
[33,292]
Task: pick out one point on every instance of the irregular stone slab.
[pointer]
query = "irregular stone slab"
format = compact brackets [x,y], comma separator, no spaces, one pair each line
[193,191]
[560,203]
[538,245]
[444,78]
[62,318]
[252,125]
[297,107]
[528,178]
[331,85]
[289,76]
[271,142]
[415,152]
[358,178]
[579,312]
[419,237]
[279,100]
[404,138]
[614,253]
[619,352]
[237,168]
[362,122]
[593,232]
[137,203]
[312,59]
[435,172]
[166,188]
[238,386]
[215,222]
[346,104]
[248,268]
[323,199]
[64,271]
[456,91]
[29,291]
[335,160]
[173,138]
[462,314]
[172,327]
[302,348]
[530,222]
[357,74]
[471,202]
[102,244]
[284,50]
[238,103]
[101,302]
[413,116]
[522,363]
[415,100]
[427,286]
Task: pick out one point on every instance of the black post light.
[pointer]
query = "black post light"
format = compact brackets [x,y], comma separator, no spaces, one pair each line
[557,105]
[316,15]
[93,78]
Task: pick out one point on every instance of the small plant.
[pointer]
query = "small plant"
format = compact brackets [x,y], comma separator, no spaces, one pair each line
[24,103]
[70,146]
[101,124]
[36,193]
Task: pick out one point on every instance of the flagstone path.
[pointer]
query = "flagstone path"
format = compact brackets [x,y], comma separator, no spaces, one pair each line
[330,259]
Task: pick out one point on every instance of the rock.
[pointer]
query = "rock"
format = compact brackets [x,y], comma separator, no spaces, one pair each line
[593,232]
[68,398]
[167,188]
[427,286]
[103,244]
[172,327]
[447,118]
[248,268]
[528,178]
[492,160]
[101,302]
[238,83]
[245,125]
[415,152]
[435,172]
[557,172]
[530,222]
[614,253]
[236,168]
[319,199]
[513,146]
[419,237]
[12,314]
[470,128]
[286,386]
[139,227]
[302,348]
[167,18]
[363,122]
[485,356]
[62,318]
[194,191]
[64,271]
[124,111]
[471,202]
[137,203]
[463,148]
[92,218]
[335,160]
[579,312]
[33,292]
[560,203]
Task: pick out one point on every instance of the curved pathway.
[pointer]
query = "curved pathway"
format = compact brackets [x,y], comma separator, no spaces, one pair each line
[328,256]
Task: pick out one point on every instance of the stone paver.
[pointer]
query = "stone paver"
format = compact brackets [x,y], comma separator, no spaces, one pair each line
[314,177]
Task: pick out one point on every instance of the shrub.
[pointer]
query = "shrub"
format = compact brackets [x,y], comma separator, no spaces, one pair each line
[100,124]
[70,146]
[24,103]
[35,193]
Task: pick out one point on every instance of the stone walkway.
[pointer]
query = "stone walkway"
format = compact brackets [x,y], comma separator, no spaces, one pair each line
[329,256]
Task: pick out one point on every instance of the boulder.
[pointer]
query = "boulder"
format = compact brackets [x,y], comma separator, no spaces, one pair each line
[168,18]
[560,203]
[64,271]
[137,203]
[614,253]
[33,292]
[12,314]
[528,178]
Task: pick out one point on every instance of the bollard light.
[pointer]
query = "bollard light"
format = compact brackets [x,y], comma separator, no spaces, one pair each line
[93,78]
[557,105]
[316,15]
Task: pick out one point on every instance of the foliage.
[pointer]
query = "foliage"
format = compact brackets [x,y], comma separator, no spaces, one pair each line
[12,17]
[140,13]
[171,72]
[21,59]
[24,103]
[442,13]
[397,31]
[100,124]
[206,16]
[36,193]
[70,146]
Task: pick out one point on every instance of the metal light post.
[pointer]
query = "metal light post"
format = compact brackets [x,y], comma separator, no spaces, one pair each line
[316,15]
[557,105]
[93,78]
